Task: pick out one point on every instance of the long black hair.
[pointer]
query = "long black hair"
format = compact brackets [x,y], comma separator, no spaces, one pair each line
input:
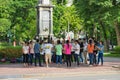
[67,42]
[58,42]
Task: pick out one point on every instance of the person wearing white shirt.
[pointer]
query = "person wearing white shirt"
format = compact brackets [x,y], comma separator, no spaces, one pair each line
[73,51]
[77,51]
[25,50]
[85,51]
[48,48]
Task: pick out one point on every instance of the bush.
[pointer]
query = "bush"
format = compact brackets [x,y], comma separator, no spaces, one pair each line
[10,52]
[4,44]
[116,50]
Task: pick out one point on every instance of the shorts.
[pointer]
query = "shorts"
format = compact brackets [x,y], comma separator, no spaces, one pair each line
[48,58]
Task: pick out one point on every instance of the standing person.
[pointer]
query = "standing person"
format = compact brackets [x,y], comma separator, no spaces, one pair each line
[31,52]
[67,48]
[48,48]
[77,51]
[37,52]
[58,49]
[81,50]
[85,51]
[25,50]
[42,51]
[90,48]
[63,52]
[94,57]
[95,51]
[53,53]
[73,59]
[100,53]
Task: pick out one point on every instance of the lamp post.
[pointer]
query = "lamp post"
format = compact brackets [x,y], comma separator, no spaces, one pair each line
[69,3]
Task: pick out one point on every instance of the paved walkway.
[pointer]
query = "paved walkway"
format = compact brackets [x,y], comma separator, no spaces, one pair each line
[18,71]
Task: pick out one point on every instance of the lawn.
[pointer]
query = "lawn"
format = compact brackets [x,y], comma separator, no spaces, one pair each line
[112,55]
[7,62]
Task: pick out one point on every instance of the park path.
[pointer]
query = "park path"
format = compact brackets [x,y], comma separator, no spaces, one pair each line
[18,71]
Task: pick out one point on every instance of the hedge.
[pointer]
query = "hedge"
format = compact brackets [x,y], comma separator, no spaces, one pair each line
[10,52]
[116,50]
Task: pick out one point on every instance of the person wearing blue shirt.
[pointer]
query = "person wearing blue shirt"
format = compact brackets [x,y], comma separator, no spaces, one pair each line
[37,52]
[100,53]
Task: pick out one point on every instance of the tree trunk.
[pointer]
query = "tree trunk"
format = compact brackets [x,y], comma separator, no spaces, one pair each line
[117,29]
[105,37]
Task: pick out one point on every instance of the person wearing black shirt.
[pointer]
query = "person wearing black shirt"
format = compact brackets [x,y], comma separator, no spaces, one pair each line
[81,50]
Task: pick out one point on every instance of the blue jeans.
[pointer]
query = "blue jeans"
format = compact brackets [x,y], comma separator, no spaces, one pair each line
[100,56]
[91,57]
[81,57]
[58,59]
[30,58]
[77,58]
[53,58]
[37,56]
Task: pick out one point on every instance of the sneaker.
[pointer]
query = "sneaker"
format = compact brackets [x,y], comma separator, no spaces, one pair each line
[24,65]
[90,65]
[47,66]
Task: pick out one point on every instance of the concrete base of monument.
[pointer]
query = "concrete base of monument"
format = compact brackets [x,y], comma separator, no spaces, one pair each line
[46,37]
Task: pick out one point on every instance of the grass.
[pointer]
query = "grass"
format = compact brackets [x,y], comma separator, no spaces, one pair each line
[112,55]
[7,62]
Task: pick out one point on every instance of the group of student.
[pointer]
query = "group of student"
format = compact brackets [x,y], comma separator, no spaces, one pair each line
[63,52]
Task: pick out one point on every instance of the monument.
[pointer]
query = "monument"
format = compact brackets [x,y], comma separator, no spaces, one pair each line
[44,19]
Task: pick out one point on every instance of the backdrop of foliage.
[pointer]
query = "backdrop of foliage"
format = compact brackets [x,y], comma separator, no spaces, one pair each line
[18,19]
[101,19]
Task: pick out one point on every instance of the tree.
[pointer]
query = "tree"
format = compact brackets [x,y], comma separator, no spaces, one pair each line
[63,17]
[4,21]
[115,12]
[97,14]
[22,16]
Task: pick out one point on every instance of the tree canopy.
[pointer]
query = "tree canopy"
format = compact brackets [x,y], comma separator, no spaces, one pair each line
[98,18]
[18,17]
[101,16]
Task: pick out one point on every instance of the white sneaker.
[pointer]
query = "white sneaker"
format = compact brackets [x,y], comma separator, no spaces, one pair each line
[47,66]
